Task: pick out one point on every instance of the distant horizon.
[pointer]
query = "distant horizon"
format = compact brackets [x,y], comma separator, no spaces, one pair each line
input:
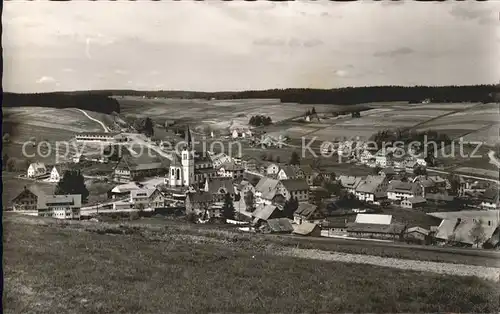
[240,91]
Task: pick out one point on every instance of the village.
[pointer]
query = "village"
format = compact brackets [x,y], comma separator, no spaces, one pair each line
[397,200]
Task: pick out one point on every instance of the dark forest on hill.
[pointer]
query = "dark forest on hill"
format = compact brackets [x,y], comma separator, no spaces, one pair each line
[98,102]
[102,101]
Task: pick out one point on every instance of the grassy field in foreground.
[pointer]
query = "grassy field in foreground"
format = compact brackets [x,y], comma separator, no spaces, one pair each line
[49,269]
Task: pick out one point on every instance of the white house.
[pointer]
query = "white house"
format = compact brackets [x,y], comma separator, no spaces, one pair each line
[231,170]
[235,134]
[60,206]
[272,169]
[36,169]
[56,174]
[147,198]
[490,199]
[383,157]
[372,188]
[399,190]
[350,183]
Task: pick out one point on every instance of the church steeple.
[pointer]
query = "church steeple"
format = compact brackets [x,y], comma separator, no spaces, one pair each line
[188,138]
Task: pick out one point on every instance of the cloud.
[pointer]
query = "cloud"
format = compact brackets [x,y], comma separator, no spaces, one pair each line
[46,80]
[393,53]
[341,73]
[292,42]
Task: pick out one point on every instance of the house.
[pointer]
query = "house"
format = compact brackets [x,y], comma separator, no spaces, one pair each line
[36,170]
[383,158]
[410,166]
[60,206]
[265,212]
[399,190]
[57,173]
[231,170]
[267,189]
[95,137]
[198,202]
[272,169]
[147,198]
[307,229]
[219,159]
[244,189]
[277,225]
[219,187]
[391,231]
[334,228]
[387,172]
[439,198]
[250,164]
[416,234]
[366,157]
[490,199]
[133,168]
[296,188]
[307,173]
[350,183]
[371,189]
[306,212]
[287,172]
[28,198]
[413,202]
[235,134]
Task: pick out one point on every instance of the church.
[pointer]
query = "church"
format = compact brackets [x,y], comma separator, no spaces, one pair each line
[190,168]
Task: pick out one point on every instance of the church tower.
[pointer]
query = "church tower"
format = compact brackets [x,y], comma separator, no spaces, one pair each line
[187,160]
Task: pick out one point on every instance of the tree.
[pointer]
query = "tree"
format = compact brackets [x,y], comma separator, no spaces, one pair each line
[477,233]
[420,171]
[148,127]
[313,111]
[5,158]
[454,183]
[376,170]
[278,160]
[228,207]
[249,199]
[290,207]
[72,182]
[294,159]
[11,164]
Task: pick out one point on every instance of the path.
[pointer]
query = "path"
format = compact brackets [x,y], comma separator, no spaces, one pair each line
[490,273]
[95,120]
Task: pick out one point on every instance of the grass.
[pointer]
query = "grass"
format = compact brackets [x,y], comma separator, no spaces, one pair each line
[49,269]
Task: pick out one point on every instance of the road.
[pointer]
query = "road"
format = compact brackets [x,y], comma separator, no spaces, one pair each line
[95,120]
[463,175]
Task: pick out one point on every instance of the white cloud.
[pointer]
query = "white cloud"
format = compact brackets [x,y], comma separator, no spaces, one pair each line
[341,73]
[46,80]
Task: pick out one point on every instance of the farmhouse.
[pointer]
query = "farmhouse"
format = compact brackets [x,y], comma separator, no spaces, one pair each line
[383,158]
[306,212]
[60,206]
[28,198]
[376,231]
[219,159]
[57,173]
[417,234]
[490,199]
[399,190]
[287,172]
[85,137]
[231,170]
[198,202]
[147,198]
[350,183]
[296,188]
[413,202]
[264,213]
[335,228]
[36,170]
[267,189]
[276,225]
[307,173]
[372,188]
[307,229]
[272,169]
[135,168]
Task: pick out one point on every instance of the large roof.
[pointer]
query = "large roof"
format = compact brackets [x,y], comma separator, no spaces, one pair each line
[200,197]
[142,192]
[394,229]
[266,185]
[491,195]
[374,219]
[292,185]
[220,185]
[370,184]
[460,231]
[349,181]
[403,187]
[280,225]
[305,228]
[264,212]
[305,210]
[75,200]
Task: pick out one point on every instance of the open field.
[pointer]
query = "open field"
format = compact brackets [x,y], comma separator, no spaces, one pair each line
[51,269]
[478,172]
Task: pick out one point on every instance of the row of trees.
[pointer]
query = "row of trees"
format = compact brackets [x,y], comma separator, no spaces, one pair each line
[260,120]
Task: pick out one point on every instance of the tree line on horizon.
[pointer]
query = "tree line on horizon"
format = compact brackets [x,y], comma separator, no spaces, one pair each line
[103,101]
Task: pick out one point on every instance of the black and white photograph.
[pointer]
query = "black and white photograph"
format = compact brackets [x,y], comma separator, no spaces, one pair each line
[251,156]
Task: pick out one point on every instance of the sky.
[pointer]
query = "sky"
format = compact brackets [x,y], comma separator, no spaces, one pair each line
[222,46]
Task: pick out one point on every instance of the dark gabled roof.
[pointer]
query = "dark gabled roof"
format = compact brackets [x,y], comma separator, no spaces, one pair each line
[376,228]
[292,185]
[280,225]
[200,197]
[439,197]
[400,186]
[37,190]
[305,210]
[491,195]
[264,212]
[290,171]
[215,185]
[307,169]
[54,200]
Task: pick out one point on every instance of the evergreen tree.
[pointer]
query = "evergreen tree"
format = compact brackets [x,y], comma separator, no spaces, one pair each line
[250,201]
[5,158]
[294,159]
[313,111]
[228,207]
[278,160]
[72,182]
[148,127]
[290,207]
[477,233]
[455,184]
